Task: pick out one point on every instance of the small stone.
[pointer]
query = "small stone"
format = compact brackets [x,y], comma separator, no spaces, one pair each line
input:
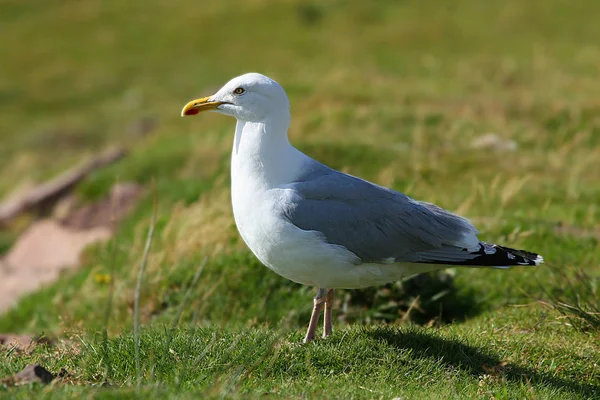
[34,373]
[13,340]
[492,141]
[142,126]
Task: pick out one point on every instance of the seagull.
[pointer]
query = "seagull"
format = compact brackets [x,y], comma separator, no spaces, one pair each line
[320,227]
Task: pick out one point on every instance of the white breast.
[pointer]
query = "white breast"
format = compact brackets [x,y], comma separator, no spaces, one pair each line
[261,167]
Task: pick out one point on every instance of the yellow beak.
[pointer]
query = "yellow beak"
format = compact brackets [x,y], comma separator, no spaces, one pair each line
[198,105]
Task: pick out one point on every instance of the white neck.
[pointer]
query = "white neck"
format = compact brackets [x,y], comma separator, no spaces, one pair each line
[263,154]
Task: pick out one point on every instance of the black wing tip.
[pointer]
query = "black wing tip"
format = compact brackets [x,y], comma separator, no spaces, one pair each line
[496,256]
[521,257]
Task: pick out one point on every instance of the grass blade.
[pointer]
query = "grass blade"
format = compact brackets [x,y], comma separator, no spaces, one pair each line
[138,288]
[111,290]
[183,304]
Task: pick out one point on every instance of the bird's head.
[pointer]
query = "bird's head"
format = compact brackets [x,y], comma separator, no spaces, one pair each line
[250,97]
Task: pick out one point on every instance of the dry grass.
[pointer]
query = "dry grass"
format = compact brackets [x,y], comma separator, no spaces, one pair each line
[393,92]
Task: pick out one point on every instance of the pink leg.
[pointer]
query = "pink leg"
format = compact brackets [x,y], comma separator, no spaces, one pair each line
[318,303]
[327,322]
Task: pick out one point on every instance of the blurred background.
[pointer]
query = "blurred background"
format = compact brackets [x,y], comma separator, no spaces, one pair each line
[489,109]
[79,75]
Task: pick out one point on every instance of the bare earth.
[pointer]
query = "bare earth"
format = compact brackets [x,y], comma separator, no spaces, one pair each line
[50,246]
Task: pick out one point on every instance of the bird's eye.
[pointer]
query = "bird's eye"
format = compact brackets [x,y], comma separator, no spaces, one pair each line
[239,91]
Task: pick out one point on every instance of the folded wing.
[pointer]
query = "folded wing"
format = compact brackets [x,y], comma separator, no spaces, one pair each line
[375,223]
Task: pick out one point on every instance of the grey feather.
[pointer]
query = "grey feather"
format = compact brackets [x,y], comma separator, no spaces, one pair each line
[448,254]
[373,222]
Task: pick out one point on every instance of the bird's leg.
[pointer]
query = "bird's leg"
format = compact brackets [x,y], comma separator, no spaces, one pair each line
[327,323]
[318,303]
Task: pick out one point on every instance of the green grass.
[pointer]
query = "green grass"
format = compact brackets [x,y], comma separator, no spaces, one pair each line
[361,362]
[392,92]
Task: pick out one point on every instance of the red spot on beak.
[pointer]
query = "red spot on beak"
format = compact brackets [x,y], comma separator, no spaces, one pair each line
[192,111]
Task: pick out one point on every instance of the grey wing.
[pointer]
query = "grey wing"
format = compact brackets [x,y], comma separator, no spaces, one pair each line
[375,223]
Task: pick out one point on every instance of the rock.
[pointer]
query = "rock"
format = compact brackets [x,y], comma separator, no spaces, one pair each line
[65,207]
[47,246]
[564,229]
[40,254]
[34,373]
[142,126]
[44,196]
[23,342]
[13,340]
[104,213]
[492,141]
[50,246]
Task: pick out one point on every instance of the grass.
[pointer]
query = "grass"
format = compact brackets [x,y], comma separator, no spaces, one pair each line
[393,92]
[363,362]
[578,302]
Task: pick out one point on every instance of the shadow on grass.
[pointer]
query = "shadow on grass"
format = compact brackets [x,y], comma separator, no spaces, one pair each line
[472,360]
[425,299]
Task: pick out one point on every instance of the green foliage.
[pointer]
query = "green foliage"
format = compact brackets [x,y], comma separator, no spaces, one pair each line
[394,92]
[359,362]
[578,300]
